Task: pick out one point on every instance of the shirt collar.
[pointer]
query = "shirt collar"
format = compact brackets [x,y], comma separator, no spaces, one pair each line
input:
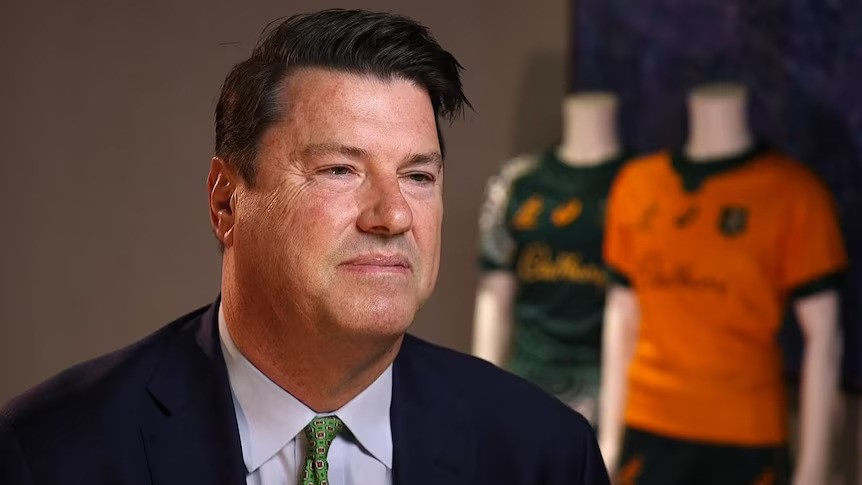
[367,418]
[274,417]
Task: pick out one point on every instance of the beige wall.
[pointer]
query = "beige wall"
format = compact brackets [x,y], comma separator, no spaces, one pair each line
[106,130]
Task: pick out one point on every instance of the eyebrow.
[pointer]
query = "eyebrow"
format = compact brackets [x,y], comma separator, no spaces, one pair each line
[430,158]
[330,148]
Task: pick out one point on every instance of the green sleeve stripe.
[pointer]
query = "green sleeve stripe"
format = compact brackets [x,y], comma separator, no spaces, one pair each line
[831,281]
[617,277]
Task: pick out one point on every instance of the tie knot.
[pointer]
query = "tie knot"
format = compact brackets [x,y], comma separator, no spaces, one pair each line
[320,432]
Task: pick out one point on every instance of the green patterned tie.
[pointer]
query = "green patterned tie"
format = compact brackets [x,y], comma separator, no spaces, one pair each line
[320,432]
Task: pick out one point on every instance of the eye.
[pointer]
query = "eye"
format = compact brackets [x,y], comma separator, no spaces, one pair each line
[421,177]
[337,171]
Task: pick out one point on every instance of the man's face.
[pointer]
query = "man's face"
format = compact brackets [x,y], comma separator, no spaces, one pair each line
[342,228]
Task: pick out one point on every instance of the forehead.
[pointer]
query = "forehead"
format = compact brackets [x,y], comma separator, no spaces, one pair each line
[318,102]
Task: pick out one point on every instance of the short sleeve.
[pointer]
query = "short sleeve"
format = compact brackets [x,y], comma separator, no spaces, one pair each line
[618,239]
[814,257]
[497,246]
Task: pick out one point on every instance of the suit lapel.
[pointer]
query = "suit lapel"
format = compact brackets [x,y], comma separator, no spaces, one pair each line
[433,441]
[196,439]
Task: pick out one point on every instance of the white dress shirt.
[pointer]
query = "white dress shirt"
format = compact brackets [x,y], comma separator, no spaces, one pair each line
[271,421]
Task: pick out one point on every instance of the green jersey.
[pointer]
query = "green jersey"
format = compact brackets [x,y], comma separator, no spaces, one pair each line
[543,220]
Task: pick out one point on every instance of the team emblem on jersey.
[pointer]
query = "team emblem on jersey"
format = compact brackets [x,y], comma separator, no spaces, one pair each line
[566,214]
[528,214]
[733,220]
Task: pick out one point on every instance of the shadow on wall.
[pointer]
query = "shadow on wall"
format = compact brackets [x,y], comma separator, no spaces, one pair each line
[538,121]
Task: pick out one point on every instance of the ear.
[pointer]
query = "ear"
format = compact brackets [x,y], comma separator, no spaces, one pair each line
[222,183]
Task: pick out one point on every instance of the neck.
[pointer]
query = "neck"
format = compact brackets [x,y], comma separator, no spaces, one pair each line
[589,129]
[325,372]
[718,123]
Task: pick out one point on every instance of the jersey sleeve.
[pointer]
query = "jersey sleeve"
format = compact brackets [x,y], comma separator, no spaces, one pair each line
[618,241]
[497,246]
[814,257]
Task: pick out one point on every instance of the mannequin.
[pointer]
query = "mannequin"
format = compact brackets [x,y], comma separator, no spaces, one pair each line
[589,141]
[589,129]
[719,130]
[718,122]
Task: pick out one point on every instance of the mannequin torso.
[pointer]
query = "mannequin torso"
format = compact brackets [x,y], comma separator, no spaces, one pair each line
[549,210]
[718,132]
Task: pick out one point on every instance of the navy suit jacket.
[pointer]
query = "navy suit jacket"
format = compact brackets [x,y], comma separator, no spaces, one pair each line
[160,412]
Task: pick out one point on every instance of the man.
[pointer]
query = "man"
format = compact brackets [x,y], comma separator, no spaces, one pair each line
[326,196]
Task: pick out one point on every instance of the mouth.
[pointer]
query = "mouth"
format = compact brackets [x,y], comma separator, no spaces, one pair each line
[378,263]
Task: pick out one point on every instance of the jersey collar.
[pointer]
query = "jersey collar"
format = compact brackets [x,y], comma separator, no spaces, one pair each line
[692,174]
[583,176]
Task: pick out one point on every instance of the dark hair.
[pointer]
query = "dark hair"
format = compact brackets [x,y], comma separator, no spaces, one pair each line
[382,44]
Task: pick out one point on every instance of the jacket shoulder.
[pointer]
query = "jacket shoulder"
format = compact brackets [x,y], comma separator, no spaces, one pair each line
[497,392]
[97,389]
[520,431]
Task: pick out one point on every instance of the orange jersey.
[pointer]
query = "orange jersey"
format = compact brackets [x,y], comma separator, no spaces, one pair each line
[713,251]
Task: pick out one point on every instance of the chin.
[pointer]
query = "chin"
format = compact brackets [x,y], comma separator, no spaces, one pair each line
[379,318]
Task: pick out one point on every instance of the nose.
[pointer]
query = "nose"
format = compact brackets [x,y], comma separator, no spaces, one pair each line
[385,210]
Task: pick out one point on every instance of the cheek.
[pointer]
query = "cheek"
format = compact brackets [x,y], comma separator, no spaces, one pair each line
[427,229]
[321,215]
[314,226]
